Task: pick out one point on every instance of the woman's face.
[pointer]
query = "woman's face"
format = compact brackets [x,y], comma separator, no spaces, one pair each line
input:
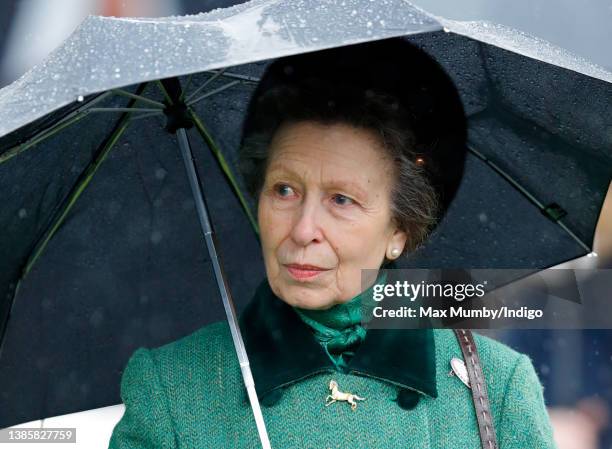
[325,212]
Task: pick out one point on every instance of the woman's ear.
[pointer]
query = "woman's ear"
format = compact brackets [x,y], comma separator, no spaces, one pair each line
[396,244]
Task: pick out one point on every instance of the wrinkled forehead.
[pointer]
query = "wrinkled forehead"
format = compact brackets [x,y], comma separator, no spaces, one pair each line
[321,142]
[329,153]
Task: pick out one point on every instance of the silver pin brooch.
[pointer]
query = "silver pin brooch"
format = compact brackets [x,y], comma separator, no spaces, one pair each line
[459,369]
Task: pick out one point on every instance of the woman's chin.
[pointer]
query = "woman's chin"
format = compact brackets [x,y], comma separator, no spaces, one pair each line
[323,305]
[306,297]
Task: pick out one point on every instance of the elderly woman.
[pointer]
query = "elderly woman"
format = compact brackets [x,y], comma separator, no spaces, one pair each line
[352,156]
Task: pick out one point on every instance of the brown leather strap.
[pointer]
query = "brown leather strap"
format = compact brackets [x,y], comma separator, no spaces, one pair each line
[478,387]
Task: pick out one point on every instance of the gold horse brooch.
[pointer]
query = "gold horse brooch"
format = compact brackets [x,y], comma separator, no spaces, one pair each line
[337,395]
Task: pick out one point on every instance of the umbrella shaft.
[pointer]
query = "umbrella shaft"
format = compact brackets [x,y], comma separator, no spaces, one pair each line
[228,303]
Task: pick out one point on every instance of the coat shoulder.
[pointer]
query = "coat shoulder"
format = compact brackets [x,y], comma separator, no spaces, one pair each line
[514,389]
[195,355]
[202,338]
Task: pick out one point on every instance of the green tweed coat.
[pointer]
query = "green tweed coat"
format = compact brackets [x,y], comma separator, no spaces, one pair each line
[189,393]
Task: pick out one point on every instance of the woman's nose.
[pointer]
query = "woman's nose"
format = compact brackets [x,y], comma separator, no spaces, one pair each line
[307,224]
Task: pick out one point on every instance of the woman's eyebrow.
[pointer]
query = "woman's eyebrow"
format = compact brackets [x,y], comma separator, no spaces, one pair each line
[284,170]
[281,167]
[346,185]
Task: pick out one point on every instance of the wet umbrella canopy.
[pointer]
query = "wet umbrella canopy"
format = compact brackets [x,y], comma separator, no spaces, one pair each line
[101,249]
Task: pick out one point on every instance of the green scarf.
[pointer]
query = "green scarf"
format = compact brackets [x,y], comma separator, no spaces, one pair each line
[339,329]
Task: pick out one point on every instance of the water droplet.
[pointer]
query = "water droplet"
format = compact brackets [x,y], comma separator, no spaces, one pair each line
[156,237]
[22,213]
[160,173]
[96,318]
[46,303]
[80,98]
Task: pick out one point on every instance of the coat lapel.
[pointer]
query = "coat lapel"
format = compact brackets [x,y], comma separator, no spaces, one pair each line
[282,349]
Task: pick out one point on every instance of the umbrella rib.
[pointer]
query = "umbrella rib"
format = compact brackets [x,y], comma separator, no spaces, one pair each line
[187,84]
[219,157]
[574,236]
[527,194]
[507,177]
[139,97]
[44,134]
[251,79]
[212,92]
[225,168]
[206,83]
[148,114]
[86,178]
[164,91]
[124,110]
[212,145]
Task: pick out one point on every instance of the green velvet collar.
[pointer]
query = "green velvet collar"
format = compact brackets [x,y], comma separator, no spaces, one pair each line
[282,349]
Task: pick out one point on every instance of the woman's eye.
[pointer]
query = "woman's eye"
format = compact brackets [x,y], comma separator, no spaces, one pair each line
[342,200]
[283,190]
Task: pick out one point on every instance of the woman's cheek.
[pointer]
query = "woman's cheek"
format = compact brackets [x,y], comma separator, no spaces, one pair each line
[273,223]
[269,208]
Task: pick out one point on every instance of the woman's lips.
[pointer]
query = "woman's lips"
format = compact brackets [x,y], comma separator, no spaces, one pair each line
[301,272]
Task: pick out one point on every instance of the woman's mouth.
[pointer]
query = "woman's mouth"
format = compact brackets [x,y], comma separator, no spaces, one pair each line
[301,272]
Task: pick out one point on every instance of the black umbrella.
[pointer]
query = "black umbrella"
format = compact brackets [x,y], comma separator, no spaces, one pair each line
[102,251]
